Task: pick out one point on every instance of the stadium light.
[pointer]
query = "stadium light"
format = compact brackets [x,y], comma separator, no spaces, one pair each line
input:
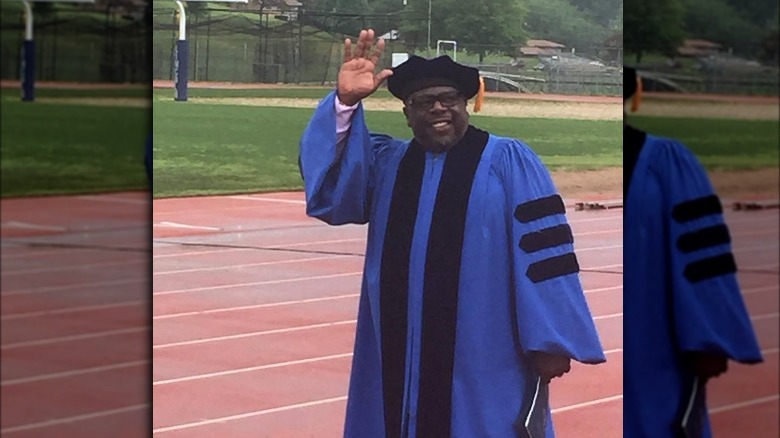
[28,47]
[181,55]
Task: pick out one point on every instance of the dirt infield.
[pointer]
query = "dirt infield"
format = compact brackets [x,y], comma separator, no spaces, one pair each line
[498,108]
[129,102]
[608,183]
[757,109]
[543,105]
[75,85]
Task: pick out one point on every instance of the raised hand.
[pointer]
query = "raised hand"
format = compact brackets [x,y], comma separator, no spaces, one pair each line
[357,79]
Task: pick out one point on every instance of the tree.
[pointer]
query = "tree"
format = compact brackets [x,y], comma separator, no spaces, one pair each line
[717,20]
[43,10]
[479,26]
[601,12]
[652,26]
[562,22]
[482,26]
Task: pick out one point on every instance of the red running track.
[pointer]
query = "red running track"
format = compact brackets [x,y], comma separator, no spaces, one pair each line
[75,316]
[258,342]
[255,307]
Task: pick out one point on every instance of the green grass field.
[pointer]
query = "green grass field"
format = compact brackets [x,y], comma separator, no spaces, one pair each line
[212,149]
[203,148]
[721,144]
[52,148]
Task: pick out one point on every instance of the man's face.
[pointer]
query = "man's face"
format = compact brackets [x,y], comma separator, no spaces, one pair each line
[437,116]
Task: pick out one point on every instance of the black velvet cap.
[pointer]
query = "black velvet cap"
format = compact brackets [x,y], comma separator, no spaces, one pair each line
[418,73]
[629,82]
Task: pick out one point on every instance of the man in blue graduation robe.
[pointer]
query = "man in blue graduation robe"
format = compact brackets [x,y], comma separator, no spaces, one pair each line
[470,290]
[684,313]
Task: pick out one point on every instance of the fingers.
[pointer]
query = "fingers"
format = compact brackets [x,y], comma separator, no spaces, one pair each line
[380,47]
[365,52]
[381,76]
[365,43]
[369,42]
[347,50]
[362,44]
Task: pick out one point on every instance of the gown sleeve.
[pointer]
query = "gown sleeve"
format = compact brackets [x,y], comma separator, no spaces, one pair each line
[551,311]
[338,177]
[709,312]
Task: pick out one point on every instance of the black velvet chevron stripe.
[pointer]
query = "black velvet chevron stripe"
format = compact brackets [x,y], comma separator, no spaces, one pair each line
[703,238]
[710,267]
[442,280]
[394,283]
[539,208]
[697,208]
[553,267]
[546,238]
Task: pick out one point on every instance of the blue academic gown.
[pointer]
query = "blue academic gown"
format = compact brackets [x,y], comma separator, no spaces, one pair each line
[680,288]
[446,311]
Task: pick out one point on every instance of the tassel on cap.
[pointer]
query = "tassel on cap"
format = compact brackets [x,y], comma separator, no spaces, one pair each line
[637,98]
[480,95]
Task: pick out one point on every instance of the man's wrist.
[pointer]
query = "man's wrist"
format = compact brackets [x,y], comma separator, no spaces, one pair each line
[346,101]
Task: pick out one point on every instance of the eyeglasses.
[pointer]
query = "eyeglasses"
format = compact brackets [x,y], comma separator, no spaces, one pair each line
[447,100]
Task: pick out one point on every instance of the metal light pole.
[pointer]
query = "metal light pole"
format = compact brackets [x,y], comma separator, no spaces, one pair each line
[428,47]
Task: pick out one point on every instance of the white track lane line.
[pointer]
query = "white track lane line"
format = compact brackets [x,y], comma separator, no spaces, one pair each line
[303,301]
[744,404]
[610,316]
[195,253]
[277,365]
[334,400]
[305,327]
[260,283]
[39,290]
[31,226]
[256,306]
[75,418]
[290,261]
[251,265]
[257,283]
[765,316]
[73,338]
[248,415]
[603,289]
[755,290]
[266,199]
[599,268]
[252,369]
[77,372]
[253,334]
[167,224]
[597,248]
[77,267]
[588,403]
[36,252]
[66,310]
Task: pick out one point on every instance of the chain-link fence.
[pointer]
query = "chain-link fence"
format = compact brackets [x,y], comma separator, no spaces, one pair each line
[745,79]
[75,44]
[249,47]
